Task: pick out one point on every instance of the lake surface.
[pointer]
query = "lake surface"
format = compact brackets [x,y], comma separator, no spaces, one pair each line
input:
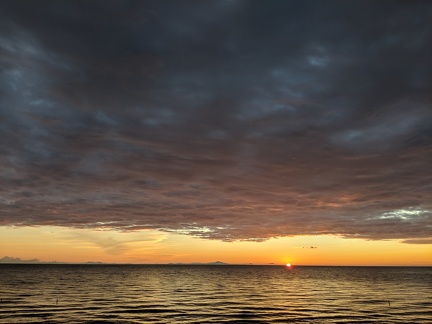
[214,294]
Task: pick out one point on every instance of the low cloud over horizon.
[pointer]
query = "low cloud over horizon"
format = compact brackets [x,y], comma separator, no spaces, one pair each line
[227,120]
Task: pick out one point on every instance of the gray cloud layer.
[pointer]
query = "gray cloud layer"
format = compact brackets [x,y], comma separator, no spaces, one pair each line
[222,119]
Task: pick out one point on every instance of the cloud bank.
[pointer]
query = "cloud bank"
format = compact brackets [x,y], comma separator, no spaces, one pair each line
[228,120]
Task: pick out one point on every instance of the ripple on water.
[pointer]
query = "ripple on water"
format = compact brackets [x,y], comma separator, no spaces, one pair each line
[213,294]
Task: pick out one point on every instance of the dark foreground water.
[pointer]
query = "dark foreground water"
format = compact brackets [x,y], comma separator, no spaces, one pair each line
[214,294]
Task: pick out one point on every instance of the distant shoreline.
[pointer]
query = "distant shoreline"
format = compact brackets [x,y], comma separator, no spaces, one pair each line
[205,265]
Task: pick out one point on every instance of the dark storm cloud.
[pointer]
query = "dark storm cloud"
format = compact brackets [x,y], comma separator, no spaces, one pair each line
[221,119]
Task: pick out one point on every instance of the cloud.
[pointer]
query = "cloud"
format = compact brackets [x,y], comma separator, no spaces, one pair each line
[231,120]
[109,243]
[418,241]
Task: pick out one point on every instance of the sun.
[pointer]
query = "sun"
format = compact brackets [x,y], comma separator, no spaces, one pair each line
[288,265]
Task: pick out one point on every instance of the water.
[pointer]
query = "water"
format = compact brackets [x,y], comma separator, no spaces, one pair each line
[214,294]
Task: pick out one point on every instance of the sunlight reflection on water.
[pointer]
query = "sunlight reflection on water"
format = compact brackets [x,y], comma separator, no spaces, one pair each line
[213,294]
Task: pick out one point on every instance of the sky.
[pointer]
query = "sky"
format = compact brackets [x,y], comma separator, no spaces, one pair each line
[195,131]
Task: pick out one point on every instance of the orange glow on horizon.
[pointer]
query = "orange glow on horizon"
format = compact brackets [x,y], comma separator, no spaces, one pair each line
[82,245]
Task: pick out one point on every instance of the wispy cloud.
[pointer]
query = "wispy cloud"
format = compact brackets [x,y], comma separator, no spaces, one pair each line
[109,243]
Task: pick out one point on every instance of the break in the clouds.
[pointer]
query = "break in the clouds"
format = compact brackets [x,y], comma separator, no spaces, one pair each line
[230,120]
